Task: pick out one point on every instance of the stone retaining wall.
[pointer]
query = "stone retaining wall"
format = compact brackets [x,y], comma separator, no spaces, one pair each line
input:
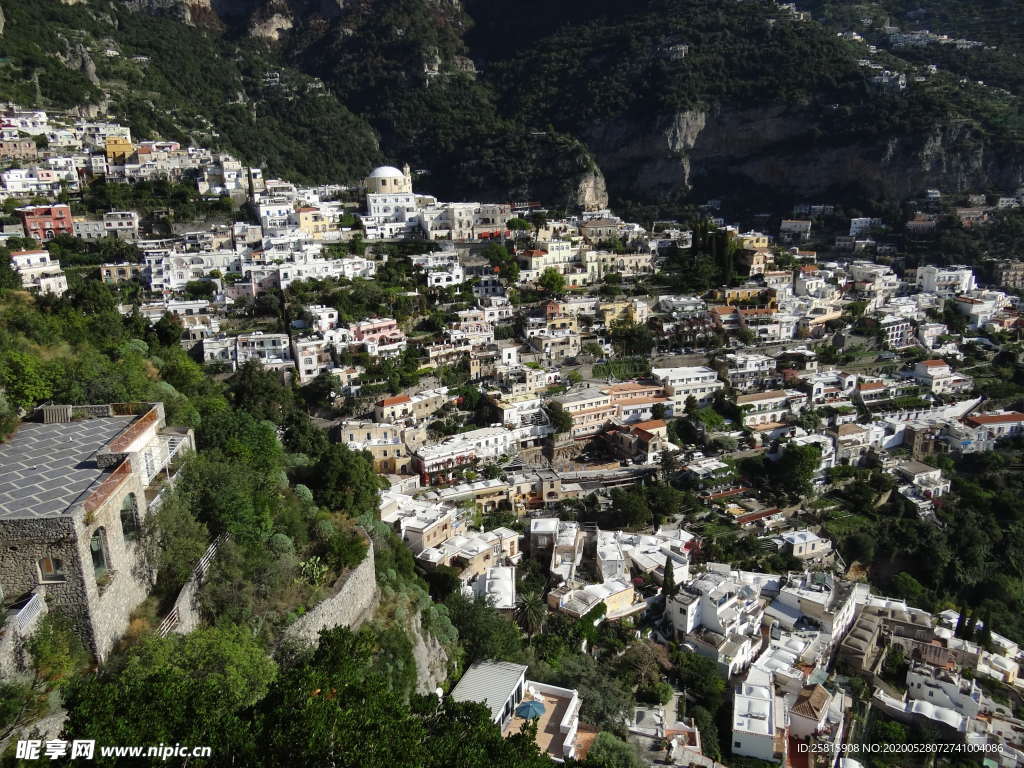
[352,603]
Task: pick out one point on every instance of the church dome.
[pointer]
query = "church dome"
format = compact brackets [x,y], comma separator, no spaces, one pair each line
[386,172]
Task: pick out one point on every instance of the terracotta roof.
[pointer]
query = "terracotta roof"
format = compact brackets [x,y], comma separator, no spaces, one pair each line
[933,363]
[632,386]
[812,702]
[849,429]
[651,424]
[809,267]
[772,425]
[869,386]
[398,400]
[1012,417]
[753,517]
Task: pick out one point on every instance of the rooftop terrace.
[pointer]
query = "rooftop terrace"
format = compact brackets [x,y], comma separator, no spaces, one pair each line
[46,468]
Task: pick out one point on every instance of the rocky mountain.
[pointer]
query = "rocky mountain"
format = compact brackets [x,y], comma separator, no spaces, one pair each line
[654,103]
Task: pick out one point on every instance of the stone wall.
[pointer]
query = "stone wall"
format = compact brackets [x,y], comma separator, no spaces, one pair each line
[353,601]
[15,661]
[110,602]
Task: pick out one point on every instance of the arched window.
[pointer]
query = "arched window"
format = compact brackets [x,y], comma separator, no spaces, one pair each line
[130,517]
[98,548]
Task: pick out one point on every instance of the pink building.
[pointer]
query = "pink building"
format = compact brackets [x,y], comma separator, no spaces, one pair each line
[376,330]
[45,222]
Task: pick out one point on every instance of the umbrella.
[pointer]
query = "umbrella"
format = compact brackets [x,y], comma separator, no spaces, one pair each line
[530,710]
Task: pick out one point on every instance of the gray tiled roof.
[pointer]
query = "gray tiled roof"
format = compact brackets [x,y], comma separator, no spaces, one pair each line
[45,468]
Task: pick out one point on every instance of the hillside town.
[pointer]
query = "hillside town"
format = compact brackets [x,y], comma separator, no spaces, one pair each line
[693,468]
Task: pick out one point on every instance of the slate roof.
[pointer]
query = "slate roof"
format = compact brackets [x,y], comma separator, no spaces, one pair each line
[46,468]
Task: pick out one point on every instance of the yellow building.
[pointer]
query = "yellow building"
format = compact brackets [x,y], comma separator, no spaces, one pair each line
[753,241]
[118,149]
[630,310]
[313,224]
[746,293]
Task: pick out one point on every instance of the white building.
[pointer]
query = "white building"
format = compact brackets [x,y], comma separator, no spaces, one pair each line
[271,350]
[719,616]
[943,688]
[938,378]
[946,282]
[750,372]
[699,382]
[498,586]
[815,600]
[502,687]
[805,545]
[759,719]
[38,272]
[439,460]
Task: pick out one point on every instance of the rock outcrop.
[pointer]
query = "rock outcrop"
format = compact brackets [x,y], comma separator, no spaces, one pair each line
[777,149]
[269,25]
[76,57]
[591,191]
[192,12]
[430,656]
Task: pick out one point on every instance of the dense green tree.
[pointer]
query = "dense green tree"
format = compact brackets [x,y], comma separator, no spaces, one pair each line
[609,751]
[561,420]
[699,677]
[227,497]
[504,263]
[794,471]
[92,298]
[187,689]
[606,699]
[301,435]
[237,435]
[23,379]
[483,632]
[668,586]
[9,278]
[551,281]
[260,392]
[344,480]
[859,546]
[174,541]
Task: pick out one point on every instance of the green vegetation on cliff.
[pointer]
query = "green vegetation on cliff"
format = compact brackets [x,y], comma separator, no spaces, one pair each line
[523,100]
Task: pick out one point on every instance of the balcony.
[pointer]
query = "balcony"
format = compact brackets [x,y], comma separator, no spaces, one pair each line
[159,455]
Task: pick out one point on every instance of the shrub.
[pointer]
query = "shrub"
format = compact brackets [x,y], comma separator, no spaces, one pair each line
[325,530]
[281,544]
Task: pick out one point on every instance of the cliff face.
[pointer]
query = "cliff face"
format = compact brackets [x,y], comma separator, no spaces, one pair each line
[774,148]
[591,191]
[780,148]
[430,656]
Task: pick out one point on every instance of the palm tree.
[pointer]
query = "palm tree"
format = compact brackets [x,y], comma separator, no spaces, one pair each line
[531,613]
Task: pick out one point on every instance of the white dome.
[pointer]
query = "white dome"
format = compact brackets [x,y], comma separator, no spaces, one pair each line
[386,172]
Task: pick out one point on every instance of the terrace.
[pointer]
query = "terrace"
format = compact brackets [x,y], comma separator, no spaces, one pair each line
[556,726]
